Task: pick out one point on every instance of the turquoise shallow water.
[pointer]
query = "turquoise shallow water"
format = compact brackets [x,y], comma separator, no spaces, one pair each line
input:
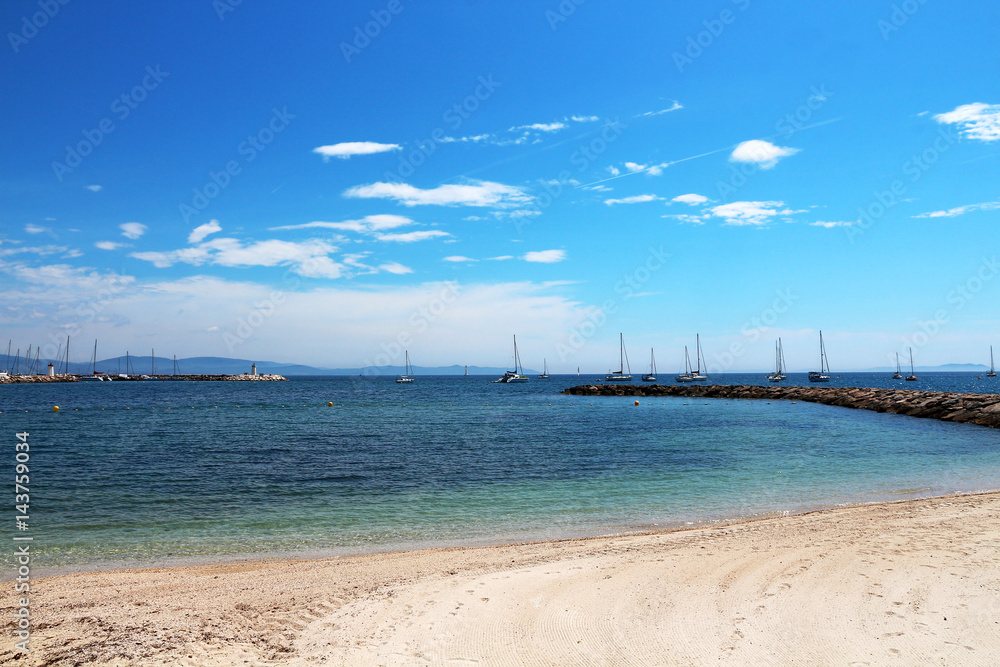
[165,472]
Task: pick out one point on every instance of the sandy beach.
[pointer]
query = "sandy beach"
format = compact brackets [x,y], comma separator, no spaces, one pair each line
[912,582]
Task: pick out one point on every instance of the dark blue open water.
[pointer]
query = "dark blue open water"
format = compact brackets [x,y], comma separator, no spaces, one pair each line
[132,473]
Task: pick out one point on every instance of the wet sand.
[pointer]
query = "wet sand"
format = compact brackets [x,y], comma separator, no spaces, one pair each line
[912,582]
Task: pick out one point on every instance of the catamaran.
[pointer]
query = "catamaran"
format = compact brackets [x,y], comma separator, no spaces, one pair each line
[407,375]
[898,375]
[621,375]
[651,375]
[912,376]
[779,364]
[823,374]
[516,375]
[545,370]
[992,373]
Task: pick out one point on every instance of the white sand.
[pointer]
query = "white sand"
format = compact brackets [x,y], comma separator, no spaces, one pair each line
[907,583]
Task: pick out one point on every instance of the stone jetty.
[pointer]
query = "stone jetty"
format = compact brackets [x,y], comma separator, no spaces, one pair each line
[982,409]
[18,379]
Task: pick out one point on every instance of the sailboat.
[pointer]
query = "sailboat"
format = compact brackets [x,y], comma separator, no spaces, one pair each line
[823,374]
[898,375]
[545,370]
[651,375]
[516,375]
[699,359]
[992,373]
[779,364]
[621,375]
[687,375]
[407,375]
[94,375]
[466,370]
[912,376]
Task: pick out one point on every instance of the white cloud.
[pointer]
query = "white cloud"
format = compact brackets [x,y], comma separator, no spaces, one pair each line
[133,230]
[585,119]
[598,188]
[638,199]
[396,268]
[545,256]
[109,245]
[36,229]
[961,210]
[500,258]
[235,253]
[614,171]
[741,213]
[540,127]
[762,153]
[367,224]
[345,150]
[977,121]
[410,237]
[674,107]
[688,218]
[477,193]
[691,199]
[634,167]
[459,258]
[473,139]
[199,233]
[94,188]
[831,225]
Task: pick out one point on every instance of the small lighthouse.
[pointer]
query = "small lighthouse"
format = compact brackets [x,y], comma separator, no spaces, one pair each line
[253,369]
[52,371]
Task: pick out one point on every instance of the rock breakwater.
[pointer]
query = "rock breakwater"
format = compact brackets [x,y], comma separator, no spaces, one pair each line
[982,409]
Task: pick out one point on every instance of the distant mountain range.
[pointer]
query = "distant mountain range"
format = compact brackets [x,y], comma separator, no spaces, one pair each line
[225,366]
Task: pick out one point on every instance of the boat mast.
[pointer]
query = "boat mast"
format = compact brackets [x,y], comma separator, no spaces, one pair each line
[621,354]
[93,361]
[911,362]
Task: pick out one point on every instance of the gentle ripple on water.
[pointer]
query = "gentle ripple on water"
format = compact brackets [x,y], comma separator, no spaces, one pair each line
[143,472]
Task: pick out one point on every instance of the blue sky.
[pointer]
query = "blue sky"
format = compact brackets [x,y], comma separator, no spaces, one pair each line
[272,183]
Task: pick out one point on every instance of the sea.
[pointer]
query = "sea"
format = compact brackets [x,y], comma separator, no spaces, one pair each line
[160,473]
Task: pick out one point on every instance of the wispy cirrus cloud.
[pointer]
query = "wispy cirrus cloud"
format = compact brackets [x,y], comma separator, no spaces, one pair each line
[367,224]
[688,218]
[477,193]
[833,224]
[411,237]
[637,199]
[347,149]
[977,121]
[94,188]
[541,127]
[673,107]
[459,259]
[961,210]
[109,245]
[762,153]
